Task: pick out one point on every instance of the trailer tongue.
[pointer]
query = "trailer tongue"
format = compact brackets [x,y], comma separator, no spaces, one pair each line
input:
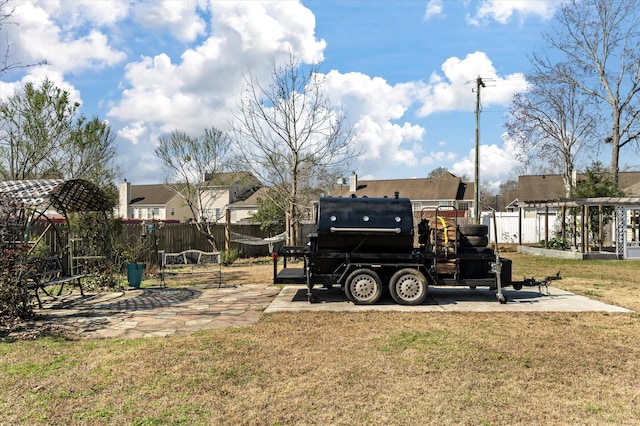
[366,245]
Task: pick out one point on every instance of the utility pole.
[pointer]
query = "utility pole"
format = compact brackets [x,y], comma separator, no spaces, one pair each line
[479,84]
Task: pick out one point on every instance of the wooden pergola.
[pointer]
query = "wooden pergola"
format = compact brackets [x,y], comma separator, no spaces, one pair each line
[42,196]
[620,204]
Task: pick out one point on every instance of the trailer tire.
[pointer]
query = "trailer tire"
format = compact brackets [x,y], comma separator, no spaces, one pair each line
[408,287]
[474,241]
[363,287]
[474,229]
[484,251]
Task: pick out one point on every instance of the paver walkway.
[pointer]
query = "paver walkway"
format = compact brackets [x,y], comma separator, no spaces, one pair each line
[158,312]
[151,312]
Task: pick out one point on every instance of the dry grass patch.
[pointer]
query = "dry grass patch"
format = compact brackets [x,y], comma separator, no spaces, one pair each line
[241,272]
[339,368]
[377,368]
[611,281]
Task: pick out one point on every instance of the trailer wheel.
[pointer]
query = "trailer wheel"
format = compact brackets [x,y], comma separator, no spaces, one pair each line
[363,287]
[408,287]
[517,286]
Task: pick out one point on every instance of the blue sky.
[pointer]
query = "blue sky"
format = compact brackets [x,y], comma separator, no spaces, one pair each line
[404,70]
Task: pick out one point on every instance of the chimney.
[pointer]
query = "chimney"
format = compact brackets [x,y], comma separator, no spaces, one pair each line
[353,182]
[124,199]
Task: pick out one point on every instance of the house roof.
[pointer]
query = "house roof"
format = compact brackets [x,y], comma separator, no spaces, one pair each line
[551,187]
[540,187]
[627,180]
[252,200]
[633,189]
[444,187]
[227,179]
[157,194]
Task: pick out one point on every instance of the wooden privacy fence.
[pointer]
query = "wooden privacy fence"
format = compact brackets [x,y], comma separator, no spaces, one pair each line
[170,237]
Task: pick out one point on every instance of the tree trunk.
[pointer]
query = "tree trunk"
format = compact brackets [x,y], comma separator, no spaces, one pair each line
[615,146]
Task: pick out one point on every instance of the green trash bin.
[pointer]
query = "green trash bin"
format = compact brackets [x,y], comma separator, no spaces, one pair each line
[134,274]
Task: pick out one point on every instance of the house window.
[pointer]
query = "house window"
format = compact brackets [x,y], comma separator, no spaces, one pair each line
[233,215]
[417,206]
[173,211]
[139,213]
[465,205]
[218,214]
[156,211]
[132,214]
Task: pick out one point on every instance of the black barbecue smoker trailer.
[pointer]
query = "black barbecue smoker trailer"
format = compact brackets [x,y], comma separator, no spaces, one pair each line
[366,245]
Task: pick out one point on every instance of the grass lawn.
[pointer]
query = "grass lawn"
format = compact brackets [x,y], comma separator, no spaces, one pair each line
[352,368]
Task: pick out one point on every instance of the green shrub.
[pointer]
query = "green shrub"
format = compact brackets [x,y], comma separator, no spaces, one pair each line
[556,243]
[228,257]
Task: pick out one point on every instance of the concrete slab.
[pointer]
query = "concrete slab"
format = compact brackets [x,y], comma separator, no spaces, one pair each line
[294,299]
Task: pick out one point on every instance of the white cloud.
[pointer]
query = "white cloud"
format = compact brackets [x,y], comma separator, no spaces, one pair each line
[502,11]
[438,157]
[497,164]
[374,106]
[77,14]
[268,28]
[133,132]
[434,8]
[39,36]
[199,90]
[190,58]
[454,88]
[181,18]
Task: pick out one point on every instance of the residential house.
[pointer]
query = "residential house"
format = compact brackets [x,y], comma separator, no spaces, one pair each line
[164,202]
[157,201]
[223,191]
[240,211]
[445,191]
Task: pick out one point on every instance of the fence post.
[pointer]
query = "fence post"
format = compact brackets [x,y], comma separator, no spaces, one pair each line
[227,230]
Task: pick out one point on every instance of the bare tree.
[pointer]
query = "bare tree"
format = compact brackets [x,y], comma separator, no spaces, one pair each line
[437,172]
[290,136]
[506,193]
[598,42]
[195,164]
[552,123]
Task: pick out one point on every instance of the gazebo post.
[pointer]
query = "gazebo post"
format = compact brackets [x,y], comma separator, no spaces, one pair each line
[583,246]
[574,233]
[563,223]
[600,226]
[520,210]
[546,226]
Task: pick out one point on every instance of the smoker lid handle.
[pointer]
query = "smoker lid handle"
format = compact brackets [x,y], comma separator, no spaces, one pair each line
[333,229]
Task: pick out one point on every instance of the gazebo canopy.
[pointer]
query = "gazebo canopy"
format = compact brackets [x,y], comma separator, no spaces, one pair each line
[65,196]
[577,202]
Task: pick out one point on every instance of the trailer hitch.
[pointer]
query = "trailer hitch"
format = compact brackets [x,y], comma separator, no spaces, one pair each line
[532,282]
